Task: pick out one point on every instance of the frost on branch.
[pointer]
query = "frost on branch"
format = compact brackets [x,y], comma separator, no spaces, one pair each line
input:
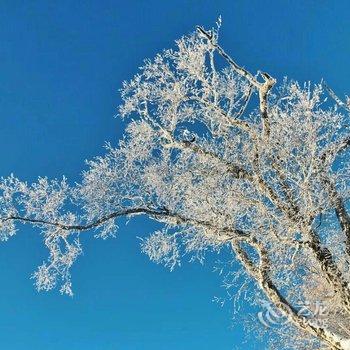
[42,203]
[167,246]
[220,157]
[162,248]
[9,187]
[57,270]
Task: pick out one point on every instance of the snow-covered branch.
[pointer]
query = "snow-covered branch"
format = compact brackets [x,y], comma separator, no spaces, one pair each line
[268,176]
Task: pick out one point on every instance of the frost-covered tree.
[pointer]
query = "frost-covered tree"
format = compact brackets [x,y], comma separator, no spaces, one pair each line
[221,157]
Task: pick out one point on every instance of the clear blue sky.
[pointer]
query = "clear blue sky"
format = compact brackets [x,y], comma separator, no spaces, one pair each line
[61,65]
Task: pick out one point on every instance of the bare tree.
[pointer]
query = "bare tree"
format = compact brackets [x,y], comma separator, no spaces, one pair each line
[221,157]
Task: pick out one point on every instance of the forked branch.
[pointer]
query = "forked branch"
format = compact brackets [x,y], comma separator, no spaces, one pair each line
[262,88]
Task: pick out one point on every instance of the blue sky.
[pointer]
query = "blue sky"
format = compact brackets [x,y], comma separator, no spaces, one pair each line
[61,66]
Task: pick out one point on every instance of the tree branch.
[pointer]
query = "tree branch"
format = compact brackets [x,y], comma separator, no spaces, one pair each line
[338,101]
[94,224]
[159,214]
[263,88]
[339,207]
[261,274]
